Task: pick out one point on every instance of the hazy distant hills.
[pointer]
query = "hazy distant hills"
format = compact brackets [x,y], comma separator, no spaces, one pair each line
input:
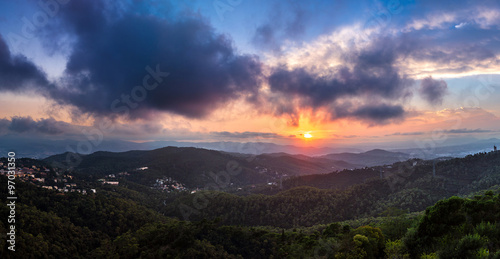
[42,148]
[370,158]
[300,163]
[432,150]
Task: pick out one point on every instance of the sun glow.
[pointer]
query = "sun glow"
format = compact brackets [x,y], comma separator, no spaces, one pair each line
[307,135]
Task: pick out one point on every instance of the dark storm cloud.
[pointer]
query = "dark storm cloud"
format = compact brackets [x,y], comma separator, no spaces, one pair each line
[433,91]
[112,44]
[17,73]
[4,126]
[379,113]
[245,135]
[44,126]
[50,126]
[110,55]
[373,77]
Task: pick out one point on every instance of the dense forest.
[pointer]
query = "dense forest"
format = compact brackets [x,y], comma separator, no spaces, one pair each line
[103,225]
[411,186]
[418,209]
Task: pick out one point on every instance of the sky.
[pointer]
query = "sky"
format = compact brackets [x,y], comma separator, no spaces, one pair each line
[305,73]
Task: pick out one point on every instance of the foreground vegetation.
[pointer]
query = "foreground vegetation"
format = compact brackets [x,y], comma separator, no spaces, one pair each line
[410,186]
[52,225]
[378,219]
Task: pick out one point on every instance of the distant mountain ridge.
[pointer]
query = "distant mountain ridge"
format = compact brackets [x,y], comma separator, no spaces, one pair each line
[370,158]
[42,148]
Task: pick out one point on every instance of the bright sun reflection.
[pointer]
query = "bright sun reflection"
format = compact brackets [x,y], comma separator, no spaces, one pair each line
[307,135]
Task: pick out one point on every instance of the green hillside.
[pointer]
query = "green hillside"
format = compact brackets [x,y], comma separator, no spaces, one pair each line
[50,225]
[409,186]
[192,166]
[406,213]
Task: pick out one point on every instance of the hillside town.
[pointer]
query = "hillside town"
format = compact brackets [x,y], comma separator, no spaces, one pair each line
[167,184]
[30,171]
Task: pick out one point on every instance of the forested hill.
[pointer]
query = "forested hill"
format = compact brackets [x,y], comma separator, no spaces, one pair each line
[410,186]
[456,176]
[192,166]
[105,225]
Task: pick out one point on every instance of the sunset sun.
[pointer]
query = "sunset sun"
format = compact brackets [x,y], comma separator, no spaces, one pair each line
[307,135]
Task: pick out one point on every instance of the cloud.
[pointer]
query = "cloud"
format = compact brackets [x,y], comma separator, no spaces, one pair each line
[245,135]
[285,23]
[364,87]
[448,13]
[453,131]
[25,125]
[49,127]
[4,126]
[350,68]
[454,38]
[349,73]
[467,131]
[433,91]
[461,25]
[379,113]
[205,72]
[345,136]
[296,26]
[17,73]
[436,48]
[418,133]
[433,21]
[265,37]
[114,46]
